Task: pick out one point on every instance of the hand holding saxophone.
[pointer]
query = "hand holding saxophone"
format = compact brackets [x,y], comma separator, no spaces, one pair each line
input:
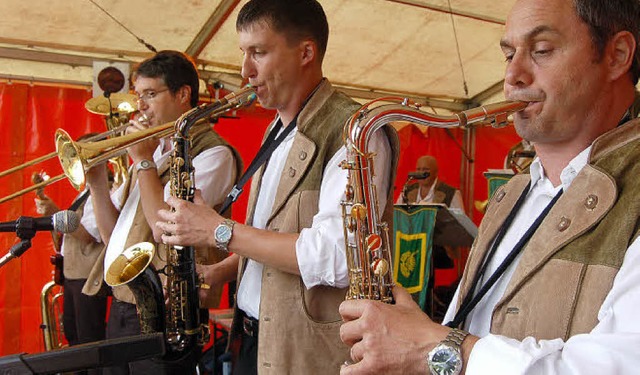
[188,224]
[388,338]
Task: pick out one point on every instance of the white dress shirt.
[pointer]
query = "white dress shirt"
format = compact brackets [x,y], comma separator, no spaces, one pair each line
[88,221]
[215,173]
[320,249]
[456,200]
[612,347]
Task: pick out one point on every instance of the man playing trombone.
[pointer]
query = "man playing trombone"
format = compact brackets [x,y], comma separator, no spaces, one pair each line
[167,86]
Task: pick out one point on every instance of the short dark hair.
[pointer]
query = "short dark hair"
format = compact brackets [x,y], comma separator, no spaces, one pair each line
[175,68]
[606,18]
[296,19]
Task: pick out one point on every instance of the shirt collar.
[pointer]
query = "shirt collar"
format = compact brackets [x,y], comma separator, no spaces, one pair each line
[568,173]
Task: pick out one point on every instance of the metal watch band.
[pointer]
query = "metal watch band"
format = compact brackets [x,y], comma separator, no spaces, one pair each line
[225,245]
[456,337]
[145,164]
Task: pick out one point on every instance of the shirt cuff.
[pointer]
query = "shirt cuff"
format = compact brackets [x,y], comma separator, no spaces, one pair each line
[497,355]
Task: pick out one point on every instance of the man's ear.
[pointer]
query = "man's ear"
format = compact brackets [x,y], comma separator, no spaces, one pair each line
[308,51]
[620,54]
[184,94]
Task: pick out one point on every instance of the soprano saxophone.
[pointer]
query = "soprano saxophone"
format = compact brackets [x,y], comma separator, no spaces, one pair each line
[367,240]
[181,320]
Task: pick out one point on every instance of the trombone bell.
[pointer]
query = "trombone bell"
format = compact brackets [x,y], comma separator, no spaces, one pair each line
[72,164]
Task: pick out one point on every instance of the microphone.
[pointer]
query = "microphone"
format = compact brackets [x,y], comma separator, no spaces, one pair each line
[62,221]
[26,227]
[418,175]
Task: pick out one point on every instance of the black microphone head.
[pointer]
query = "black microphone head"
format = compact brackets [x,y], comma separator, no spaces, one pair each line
[419,175]
[65,221]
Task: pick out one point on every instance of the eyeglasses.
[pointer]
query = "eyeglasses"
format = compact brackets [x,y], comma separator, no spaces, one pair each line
[149,95]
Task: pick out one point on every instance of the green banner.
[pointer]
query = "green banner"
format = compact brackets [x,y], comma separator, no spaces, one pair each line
[413,238]
[495,180]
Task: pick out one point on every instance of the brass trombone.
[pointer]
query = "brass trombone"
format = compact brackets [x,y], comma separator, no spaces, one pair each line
[78,157]
[48,156]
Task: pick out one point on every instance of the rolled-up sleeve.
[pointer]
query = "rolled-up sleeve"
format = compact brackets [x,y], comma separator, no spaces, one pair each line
[320,249]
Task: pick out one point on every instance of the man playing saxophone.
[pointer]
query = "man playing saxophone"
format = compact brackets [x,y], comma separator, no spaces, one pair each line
[552,283]
[167,86]
[292,273]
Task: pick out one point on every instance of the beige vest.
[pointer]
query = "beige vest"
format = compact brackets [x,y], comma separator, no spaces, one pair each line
[299,328]
[79,256]
[568,267]
[141,231]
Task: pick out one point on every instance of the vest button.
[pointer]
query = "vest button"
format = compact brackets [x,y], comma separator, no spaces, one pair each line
[292,172]
[591,202]
[303,155]
[95,283]
[564,224]
[500,195]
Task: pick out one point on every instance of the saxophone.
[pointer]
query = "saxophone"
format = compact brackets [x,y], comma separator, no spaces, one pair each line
[367,240]
[184,324]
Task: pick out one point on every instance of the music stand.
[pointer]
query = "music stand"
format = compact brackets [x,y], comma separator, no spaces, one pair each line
[453,227]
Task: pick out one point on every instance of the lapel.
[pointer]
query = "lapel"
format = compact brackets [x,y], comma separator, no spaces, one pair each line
[299,159]
[591,195]
[498,209]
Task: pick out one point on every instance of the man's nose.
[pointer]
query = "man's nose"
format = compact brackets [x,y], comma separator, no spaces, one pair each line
[518,72]
[248,69]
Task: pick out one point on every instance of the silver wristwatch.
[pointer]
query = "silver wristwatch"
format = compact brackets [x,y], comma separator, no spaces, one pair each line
[145,164]
[446,357]
[222,234]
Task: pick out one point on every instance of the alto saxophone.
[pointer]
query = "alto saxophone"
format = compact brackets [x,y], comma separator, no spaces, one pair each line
[181,321]
[368,245]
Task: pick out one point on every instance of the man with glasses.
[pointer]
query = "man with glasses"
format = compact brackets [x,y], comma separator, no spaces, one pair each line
[167,86]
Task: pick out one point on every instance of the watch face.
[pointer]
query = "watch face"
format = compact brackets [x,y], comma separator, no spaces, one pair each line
[445,360]
[223,233]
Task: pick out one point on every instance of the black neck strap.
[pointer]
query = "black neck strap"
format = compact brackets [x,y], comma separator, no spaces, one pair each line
[268,147]
[271,143]
[78,202]
[470,301]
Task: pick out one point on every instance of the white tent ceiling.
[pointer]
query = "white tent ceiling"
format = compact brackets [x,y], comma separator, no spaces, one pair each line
[376,47]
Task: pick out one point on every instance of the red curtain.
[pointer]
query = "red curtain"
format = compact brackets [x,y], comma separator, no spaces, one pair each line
[29,116]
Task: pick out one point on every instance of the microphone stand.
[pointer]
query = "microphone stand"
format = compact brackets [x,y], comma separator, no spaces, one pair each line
[25,230]
[405,189]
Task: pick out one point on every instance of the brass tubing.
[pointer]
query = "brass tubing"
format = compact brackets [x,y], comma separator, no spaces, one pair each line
[29,163]
[33,187]
[53,154]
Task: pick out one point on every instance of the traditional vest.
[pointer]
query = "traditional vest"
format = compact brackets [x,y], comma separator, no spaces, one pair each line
[443,193]
[299,327]
[79,256]
[568,266]
[141,231]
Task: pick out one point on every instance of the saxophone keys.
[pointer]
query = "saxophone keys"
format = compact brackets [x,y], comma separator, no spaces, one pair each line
[374,242]
[358,212]
[348,192]
[380,267]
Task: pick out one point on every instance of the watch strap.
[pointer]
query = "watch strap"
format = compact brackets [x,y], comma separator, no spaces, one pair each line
[145,164]
[456,337]
[225,245]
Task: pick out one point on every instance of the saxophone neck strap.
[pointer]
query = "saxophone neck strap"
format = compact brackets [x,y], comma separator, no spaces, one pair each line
[268,147]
